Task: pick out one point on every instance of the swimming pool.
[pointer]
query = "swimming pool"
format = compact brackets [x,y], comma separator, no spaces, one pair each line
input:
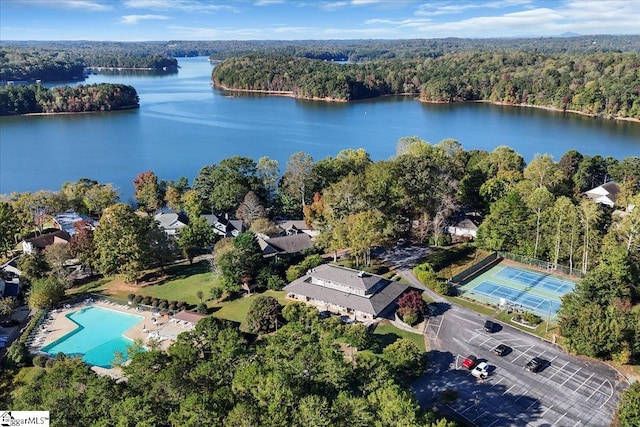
[98,336]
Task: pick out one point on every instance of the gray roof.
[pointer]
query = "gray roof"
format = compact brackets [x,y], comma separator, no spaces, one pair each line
[348,276]
[372,304]
[68,219]
[286,244]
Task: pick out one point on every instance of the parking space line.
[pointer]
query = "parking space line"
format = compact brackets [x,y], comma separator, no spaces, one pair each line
[560,419]
[473,405]
[497,419]
[565,381]
[595,391]
[509,389]
[522,353]
[547,410]
[610,396]
[497,382]
[481,415]
[488,339]
[583,383]
[577,423]
[558,370]
[535,402]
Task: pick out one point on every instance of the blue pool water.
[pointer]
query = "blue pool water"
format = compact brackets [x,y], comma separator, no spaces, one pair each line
[98,336]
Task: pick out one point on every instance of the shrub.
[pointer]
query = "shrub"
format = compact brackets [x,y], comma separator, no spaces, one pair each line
[409,317]
[163,304]
[443,288]
[155,302]
[146,300]
[531,318]
[216,293]
[174,303]
[39,361]
[172,307]
[131,297]
[138,299]
[17,355]
[275,283]
[412,302]
[202,308]
[180,304]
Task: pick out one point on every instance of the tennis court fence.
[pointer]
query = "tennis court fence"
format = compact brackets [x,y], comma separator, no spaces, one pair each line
[475,270]
[545,265]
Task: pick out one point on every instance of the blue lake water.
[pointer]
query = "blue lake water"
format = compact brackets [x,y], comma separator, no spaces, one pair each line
[183,124]
[98,337]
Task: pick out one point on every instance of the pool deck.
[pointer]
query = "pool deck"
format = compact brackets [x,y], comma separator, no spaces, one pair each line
[159,328]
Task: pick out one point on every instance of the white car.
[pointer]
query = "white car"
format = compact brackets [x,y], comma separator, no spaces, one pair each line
[481,370]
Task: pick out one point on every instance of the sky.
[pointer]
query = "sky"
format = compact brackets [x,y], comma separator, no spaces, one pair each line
[145,20]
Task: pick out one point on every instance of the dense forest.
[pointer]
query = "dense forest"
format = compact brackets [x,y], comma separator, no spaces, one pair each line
[27,64]
[217,376]
[603,84]
[26,99]
[63,60]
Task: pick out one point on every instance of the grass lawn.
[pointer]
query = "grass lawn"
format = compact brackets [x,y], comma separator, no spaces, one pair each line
[478,308]
[236,309]
[385,334]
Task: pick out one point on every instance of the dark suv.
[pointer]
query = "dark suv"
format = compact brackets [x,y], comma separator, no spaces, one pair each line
[490,326]
[535,365]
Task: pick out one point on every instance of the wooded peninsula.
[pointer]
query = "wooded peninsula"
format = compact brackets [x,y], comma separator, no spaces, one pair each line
[603,85]
[33,99]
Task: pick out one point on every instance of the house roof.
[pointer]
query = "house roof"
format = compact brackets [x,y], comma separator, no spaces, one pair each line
[347,276]
[189,316]
[44,240]
[67,220]
[170,220]
[292,244]
[372,304]
[605,194]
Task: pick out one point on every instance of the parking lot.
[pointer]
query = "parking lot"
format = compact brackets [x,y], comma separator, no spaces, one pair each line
[569,391]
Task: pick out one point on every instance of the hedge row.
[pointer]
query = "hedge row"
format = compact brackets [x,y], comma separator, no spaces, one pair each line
[162,304]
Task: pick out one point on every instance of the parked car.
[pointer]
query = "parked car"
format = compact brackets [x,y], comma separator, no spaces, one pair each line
[469,362]
[501,350]
[535,365]
[490,326]
[481,370]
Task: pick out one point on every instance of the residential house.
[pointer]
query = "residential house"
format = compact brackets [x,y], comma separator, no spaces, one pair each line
[362,296]
[225,227]
[43,241]
[465,228]
[296,226]
[66,221]
[605,194]
[284,245]
[171,222]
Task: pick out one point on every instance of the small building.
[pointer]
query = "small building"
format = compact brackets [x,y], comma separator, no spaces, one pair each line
[296,226]
[171,222]
[605,194]
[362,296]
[466,228]
[43,241]
[225,227]
[189,316]
[67,220]
[284,245]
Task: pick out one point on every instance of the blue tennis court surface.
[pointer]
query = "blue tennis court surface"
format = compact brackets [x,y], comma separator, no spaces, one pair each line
[519,288]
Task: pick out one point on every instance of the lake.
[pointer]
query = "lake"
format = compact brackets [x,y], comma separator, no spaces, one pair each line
[183,124]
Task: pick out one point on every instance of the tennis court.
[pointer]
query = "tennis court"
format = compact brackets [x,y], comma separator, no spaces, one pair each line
[520,288]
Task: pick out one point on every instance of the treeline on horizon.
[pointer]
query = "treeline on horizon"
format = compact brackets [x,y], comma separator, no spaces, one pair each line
[606,84]
[51,60]
[41,63]
[27,99]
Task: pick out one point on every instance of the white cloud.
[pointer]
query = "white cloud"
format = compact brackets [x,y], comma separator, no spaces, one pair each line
[182,5]
[334,5]
[361,2]
[294,30]
[91,6]
[134,19]
[267,2]
[448,8]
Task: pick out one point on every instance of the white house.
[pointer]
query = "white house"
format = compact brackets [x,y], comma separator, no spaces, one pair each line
[170,222]
[606,194]
[66,221]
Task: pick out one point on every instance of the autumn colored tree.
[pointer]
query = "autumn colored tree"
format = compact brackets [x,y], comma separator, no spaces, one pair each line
[148,192]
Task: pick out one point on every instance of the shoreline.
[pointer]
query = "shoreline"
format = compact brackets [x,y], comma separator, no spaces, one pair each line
[67,113]
[291,94]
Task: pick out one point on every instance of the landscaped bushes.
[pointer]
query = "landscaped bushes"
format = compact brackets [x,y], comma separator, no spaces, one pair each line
[296,271]
[411,308]
[528,317]
[426,274]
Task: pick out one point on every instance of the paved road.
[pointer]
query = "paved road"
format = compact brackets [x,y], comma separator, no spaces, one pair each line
[570,391]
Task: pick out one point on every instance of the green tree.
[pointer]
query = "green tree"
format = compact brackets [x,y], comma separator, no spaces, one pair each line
[263,315]
[121,242]
[197,235]
[241,262]
[148,192]
[629,407]
[45,293]
[250,209]
[9,228]
[297,177]
[405,357]
[33,266]
[8,306]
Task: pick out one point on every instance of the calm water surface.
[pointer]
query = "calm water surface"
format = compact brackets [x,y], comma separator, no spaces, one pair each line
[184,124]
